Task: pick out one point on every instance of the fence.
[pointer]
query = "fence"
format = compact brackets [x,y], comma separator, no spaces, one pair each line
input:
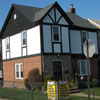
[37,91]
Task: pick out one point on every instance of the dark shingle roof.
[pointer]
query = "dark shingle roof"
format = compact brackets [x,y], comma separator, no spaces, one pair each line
[40,14]
[28,12]
[79,21]
[33,13]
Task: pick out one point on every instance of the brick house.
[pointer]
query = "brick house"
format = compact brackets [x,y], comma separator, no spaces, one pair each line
[96,23]
[48,39]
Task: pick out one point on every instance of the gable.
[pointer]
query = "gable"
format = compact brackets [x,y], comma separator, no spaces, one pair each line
[55,16]
[15,23]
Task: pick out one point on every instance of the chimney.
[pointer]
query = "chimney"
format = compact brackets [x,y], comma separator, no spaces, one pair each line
[71,9]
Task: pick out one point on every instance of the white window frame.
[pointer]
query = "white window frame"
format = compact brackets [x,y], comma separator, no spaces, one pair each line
[58,34]
[24,45]
[19,64]
[79,65]
[7,40]
[83,37]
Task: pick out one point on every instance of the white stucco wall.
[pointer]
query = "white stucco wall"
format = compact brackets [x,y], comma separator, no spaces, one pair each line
[75,39]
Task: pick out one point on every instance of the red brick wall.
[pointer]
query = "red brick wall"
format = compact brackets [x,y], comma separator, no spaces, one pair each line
[28,64]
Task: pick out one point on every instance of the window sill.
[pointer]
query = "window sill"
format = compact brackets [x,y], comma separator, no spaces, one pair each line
[19,78]
[23,46]
[83,74]
[7,50]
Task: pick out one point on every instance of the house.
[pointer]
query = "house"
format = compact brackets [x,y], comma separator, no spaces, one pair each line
[1,72]
[97,24]
[48,39]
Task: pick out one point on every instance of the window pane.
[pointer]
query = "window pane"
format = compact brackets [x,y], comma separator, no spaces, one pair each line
[55,30]
[24,38]
[7,43]
[55,33]
[24,35]
[56,37]
[83,67]
[84,36]
[21,71]
[17,71]
[24,41]
[8,46]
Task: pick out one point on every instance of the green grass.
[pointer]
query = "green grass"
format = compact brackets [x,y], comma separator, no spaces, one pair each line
[23,94]
[96,91]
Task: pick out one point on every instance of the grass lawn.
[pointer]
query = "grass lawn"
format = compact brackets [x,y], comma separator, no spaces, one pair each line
[22,94]
[96,91]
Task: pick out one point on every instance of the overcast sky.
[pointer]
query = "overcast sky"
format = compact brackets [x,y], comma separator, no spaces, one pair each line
[84,8]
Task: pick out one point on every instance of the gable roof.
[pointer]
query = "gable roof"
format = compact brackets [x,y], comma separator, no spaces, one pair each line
[28,12]
[35,14]
[79,21]
[42,12]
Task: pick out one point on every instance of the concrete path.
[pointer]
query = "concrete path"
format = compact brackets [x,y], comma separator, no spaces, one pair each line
[84,95]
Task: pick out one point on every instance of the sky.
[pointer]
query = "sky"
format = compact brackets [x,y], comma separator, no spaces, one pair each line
[84,8]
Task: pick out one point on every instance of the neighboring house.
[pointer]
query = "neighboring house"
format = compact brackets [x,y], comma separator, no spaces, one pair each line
[97,24]
[1,66]
[48,39]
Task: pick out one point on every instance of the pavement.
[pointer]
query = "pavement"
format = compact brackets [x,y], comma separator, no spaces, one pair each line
[84,95]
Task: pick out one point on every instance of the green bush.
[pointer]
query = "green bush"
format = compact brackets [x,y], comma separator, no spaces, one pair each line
[95,82]
[34,80]
[46,78]
[27,85]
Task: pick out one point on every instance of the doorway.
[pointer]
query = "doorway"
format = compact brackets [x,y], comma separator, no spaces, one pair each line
[57,70]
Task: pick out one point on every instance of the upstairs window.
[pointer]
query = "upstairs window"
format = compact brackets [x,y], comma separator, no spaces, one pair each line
[56,34]
[84,36]
[24,40]
[19,71]
[82,65]
[7,44]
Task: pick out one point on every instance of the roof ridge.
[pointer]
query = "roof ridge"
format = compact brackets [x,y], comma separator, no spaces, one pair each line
[15,5]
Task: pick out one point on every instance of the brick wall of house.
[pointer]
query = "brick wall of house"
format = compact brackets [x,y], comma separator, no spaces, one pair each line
[9,69]
[93,64]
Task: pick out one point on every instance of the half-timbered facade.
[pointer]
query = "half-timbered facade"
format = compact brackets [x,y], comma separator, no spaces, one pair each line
[48,39]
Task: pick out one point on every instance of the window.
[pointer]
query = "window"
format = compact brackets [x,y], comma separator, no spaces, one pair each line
[84,36]
[82,65]
[7,44]
[56,34]
[19,71]
[24,38]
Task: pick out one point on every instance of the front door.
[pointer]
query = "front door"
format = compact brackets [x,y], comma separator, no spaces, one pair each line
[57,70]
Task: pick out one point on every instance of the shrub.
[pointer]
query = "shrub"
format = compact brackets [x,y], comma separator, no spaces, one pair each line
[95,81]
[34,76]
[34,79]
[27,85]
[46,78]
